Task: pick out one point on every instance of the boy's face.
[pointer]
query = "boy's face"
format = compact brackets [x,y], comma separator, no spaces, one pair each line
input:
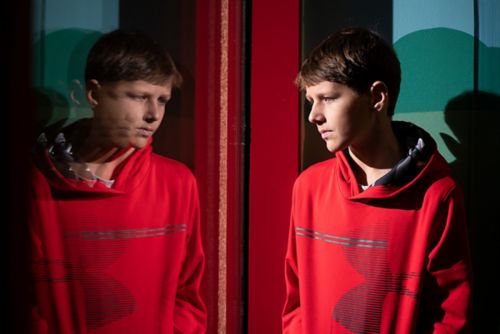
[343,116]
[127,113]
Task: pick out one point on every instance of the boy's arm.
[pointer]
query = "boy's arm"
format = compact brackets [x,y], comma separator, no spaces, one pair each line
[190,315]
[447,293]
[291,317]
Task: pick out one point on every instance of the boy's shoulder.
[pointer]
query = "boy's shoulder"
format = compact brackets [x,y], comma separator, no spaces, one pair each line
[171,167]
[317,172]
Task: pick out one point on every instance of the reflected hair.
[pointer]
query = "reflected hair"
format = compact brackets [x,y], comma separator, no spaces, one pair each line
[355,57]
[130,56]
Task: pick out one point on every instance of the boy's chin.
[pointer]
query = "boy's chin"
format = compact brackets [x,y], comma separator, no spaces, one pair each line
[138,143]
[333,149]
[337,148]
[138,146]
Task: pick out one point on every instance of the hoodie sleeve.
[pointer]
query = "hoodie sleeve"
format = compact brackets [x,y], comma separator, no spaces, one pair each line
[190,315]
[291,317]
[446,298]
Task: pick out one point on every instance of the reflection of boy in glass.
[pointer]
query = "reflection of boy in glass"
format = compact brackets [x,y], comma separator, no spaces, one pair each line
[378,239]
[115,227]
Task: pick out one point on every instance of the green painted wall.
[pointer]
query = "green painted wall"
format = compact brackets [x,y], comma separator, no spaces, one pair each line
[443,61]
[450,57]
[440,65]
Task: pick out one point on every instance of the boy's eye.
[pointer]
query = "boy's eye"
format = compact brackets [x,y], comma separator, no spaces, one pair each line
[137,97]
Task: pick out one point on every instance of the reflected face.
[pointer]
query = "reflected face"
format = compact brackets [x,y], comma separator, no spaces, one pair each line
[343,116]
[127,113]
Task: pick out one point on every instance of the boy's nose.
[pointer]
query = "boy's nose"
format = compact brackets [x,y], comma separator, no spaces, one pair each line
[315,115]
[153,112]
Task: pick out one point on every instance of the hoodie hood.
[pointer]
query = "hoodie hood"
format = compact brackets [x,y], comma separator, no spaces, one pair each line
[423,163]
[54,152]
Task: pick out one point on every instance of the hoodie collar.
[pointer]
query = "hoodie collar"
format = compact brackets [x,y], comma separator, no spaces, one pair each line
[54,153]
[421,157]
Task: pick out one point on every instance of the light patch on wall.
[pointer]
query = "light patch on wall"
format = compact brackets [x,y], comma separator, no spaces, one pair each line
[414,15]
[52,15]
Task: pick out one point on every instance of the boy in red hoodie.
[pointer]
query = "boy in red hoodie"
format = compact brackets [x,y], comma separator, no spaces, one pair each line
[116,245]
[378,238]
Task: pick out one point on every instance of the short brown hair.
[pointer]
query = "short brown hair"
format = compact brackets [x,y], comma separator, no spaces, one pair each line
[129,56]
[355,57]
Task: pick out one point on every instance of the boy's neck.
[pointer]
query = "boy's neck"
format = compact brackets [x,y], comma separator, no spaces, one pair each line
[376,156]
[100,159]
[103,163]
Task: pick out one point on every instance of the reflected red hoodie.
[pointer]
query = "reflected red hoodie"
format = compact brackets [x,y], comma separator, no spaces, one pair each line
[126,259]
[391,259]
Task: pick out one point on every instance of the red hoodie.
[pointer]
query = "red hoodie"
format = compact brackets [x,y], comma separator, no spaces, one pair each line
[390,259]
[126,259]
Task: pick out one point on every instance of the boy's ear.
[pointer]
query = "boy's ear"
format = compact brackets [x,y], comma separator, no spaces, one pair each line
[91,92]
[380,95]
[76,92]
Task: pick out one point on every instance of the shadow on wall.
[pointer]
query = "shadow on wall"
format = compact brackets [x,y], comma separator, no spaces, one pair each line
[474,118]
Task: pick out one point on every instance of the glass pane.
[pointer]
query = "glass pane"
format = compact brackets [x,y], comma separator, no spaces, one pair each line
[63,34]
